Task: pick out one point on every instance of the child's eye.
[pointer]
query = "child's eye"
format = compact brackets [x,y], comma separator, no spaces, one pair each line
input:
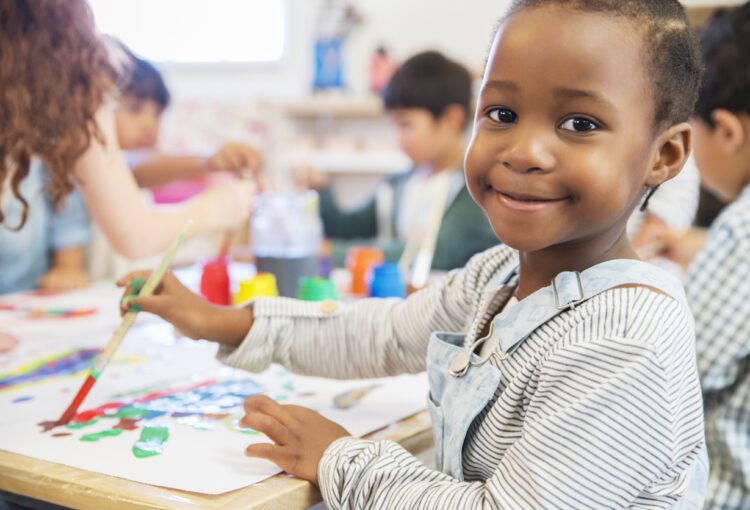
[579,124]
[502,116]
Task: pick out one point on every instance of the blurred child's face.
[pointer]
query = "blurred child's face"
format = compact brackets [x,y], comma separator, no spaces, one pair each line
[421,136]
[137,122]
[563,135]
[719,170]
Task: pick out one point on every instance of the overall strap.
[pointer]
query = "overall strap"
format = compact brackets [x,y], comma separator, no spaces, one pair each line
[569,289]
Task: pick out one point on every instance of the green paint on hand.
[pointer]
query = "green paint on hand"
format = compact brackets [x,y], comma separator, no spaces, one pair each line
[96,436]
[79,425]
[151,442]
[136,284]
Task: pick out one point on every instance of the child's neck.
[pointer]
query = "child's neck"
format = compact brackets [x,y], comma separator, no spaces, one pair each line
[539,268]
[450,159]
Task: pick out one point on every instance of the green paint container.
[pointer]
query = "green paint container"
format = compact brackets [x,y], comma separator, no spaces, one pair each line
[317,289]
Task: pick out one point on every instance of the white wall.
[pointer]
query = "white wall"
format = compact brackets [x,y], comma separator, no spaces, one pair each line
[461,29]
[403,26]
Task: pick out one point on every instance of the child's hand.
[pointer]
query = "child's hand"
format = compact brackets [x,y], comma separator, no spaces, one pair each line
[235,157]
[301,435]
[229,205]
[307,177]
[7,342]
[63,278]
[171,301]
[682,247]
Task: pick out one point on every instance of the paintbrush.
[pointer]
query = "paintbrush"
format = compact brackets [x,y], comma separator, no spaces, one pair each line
[128,319]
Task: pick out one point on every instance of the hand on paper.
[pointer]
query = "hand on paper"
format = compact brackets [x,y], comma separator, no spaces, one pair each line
[300,435]
[193,316]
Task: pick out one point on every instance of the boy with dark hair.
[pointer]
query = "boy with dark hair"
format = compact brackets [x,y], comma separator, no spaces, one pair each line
[429,100]
[718,282]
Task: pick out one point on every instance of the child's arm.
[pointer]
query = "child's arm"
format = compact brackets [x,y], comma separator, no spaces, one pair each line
[368,338]
[68,270]
[592,437]
[69,233]
[135,229]
[162,169]
[192,315]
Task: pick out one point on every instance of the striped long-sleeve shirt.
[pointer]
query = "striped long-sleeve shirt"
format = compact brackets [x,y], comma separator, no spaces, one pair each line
[718,290]
[598,408]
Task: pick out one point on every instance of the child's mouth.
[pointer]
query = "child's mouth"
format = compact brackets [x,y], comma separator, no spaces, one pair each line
[527,203]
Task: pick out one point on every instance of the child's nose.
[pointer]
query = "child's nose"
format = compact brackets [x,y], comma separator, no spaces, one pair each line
[527,151]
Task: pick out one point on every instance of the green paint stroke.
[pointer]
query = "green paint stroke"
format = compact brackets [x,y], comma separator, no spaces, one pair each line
[151,442]
[130,412]
[82,424]
[96,436]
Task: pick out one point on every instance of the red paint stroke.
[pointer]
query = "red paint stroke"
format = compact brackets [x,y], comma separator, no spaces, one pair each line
[62,434]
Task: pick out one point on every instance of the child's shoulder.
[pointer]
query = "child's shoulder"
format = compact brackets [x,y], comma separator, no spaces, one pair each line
[642,315]
[736,217]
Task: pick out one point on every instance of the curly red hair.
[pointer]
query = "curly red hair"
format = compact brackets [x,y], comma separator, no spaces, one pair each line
[55,73]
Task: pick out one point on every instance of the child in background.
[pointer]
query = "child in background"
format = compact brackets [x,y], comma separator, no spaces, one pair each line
[138,117]
[429,100]
[575,384]
[718,281]
[49,252]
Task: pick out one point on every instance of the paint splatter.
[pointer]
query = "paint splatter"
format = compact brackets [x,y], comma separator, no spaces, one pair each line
[151,442]
[96,436]
[67,363]
[48,425]
[202,406]
[21,399]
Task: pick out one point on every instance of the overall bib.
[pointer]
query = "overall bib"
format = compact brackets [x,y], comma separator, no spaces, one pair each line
[462,383]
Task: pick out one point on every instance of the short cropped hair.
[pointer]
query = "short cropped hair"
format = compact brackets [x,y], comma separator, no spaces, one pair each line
[670,49]
[431,81]
[725,44]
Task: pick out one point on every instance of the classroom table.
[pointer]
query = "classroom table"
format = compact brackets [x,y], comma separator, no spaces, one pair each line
[79,489]
[29,480]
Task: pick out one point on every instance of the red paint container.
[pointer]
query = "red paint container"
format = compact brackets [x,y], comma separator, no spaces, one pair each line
[215,282]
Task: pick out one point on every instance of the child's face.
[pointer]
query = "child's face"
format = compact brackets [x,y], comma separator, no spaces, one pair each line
[137,122]
[421,136]
[563,135]
[721,170]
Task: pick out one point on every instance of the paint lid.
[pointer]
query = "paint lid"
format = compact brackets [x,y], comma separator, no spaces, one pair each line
[387,281]
[262,284]
[317,289]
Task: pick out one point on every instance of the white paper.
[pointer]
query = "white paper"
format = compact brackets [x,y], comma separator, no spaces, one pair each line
[152,359]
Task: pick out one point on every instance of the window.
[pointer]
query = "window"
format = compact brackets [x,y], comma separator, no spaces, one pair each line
[189,31]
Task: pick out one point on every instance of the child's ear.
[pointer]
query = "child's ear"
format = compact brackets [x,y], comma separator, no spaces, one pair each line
[672,150]
[455,115]
[728,132]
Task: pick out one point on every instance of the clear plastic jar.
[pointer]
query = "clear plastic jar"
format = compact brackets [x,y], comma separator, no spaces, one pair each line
[286,235]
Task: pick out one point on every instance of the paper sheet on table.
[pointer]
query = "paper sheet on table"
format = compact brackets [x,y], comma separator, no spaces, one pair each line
[162,383]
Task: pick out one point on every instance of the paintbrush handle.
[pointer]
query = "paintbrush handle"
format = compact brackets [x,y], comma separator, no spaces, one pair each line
[148,289]
[114,343]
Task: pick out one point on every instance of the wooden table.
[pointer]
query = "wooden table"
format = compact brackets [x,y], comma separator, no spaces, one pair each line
[79,489]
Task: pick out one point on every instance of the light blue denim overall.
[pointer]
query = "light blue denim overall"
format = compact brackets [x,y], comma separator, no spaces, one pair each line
[462,383]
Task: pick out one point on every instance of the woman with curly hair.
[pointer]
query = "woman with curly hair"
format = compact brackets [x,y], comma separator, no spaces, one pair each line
[57,92]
